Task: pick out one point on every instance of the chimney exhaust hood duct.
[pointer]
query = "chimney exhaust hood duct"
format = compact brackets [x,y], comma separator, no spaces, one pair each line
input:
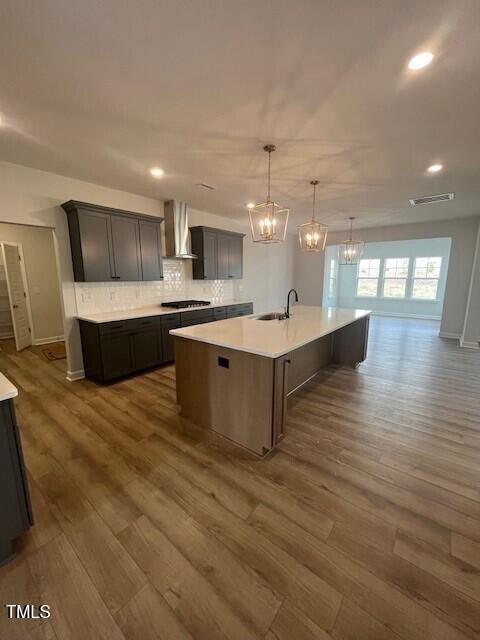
[176,230]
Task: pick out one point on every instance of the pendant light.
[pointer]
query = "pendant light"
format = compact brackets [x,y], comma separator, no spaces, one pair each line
[350,251]
[313,234]
[268,220]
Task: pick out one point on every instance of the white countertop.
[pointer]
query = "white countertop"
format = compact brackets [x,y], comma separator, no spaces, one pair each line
[273,338]
[7,390]
[145,312]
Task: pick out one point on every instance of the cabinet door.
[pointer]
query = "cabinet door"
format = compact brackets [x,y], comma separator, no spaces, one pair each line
[150,250]
[13,508]
[223,263]
[210,256]
[145,348]
[235,257]
[126,248]
[96,243]
[117,357]
[168,350]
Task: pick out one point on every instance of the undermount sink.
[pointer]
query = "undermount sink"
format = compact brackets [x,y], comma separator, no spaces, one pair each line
[271,316]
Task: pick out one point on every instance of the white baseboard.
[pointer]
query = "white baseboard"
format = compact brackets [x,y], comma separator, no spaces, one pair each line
[75,375]
[392,314]
[468,345]
[40,341]
[447,334]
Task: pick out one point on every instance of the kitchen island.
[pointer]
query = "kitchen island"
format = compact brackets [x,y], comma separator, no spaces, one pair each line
[234,376]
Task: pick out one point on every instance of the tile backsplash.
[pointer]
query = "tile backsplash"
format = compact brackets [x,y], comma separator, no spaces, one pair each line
[177,284]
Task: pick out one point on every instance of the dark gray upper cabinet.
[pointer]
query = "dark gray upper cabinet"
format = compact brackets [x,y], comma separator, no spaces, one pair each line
[150,250]
[220,254]
[112,244]
[96,251]
[223,262]
[126,248]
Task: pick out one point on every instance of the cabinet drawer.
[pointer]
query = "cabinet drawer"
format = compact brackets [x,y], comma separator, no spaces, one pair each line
[115,327]
[144,323]
[235,310]
[196,317]
[220,313]
[171,320]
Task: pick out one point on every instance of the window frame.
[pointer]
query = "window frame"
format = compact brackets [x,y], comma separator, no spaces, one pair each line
[410,280]
[436,278]
[377,278]
[385,277]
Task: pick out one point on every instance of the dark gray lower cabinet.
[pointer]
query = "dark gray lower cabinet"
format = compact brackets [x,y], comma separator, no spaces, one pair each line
[115,349]
[117,355]
[172,321]
[16,515]
[146,349]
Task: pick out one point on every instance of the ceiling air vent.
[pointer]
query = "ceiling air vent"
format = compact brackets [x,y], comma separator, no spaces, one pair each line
[440,197]
[204,185]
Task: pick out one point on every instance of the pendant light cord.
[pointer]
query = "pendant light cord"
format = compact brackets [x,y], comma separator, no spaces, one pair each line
[313,203]
[269,159]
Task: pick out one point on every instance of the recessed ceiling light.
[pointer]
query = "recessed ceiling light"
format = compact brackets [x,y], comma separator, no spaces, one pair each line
[420,60]
[250,205]
[157,172]
[435,168]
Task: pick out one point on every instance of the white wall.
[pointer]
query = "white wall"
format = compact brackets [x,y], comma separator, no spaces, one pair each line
[29,196]
[347,278]
[42,278]
[463,233]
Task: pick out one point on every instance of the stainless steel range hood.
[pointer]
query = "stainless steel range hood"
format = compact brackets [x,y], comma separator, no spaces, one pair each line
[177,242]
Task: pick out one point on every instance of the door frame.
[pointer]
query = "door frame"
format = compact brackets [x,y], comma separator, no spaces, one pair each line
[24,281]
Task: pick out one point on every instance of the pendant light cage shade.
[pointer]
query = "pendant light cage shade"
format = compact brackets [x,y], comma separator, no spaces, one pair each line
[312,236]
[268,222]
[350,251]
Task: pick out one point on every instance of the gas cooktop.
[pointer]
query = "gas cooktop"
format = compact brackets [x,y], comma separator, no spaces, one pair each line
[184,304]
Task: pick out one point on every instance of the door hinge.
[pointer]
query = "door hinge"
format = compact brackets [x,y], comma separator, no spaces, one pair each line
[24,294]
[29,330]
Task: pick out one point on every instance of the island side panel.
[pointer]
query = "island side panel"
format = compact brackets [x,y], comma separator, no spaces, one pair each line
[350,343]
[228,391]
[306,361]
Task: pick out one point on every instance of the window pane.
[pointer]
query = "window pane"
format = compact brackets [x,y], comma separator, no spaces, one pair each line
[369,268]
[433,269]
[394,287]
[425,289]
[396,267]
[428,267]
[367,287]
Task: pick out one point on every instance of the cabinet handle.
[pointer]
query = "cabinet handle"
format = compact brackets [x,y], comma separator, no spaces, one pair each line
[115,277]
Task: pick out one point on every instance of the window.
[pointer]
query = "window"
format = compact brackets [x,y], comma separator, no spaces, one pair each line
[395,277]
[332,280]
[368,275]
[425,278]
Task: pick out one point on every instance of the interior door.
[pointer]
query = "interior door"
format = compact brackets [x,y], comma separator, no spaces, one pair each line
[17,296]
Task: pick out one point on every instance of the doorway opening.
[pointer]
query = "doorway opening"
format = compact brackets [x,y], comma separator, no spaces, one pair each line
[30,302]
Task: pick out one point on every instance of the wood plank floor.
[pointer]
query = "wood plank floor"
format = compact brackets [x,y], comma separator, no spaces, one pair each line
[365,524]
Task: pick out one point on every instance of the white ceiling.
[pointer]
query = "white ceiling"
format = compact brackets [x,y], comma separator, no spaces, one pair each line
[102,90]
